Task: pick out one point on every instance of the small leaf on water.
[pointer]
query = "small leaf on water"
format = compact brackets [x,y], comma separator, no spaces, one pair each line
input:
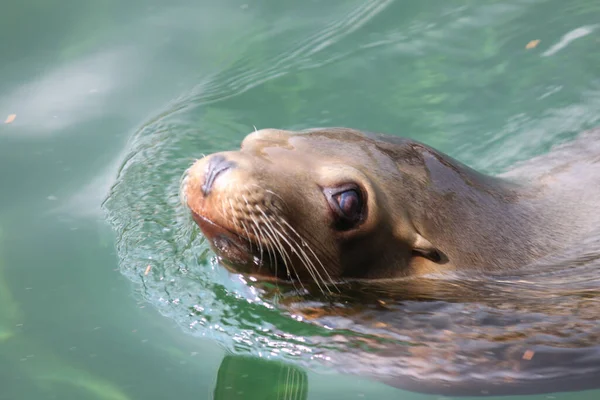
[528,355]
[532,44]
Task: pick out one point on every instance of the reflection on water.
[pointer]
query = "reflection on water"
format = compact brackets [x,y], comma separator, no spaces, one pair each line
[437,76]
[251,378]
[67,96]
[568,38]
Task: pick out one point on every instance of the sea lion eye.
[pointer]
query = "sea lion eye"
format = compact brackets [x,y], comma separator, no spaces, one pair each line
[346,202]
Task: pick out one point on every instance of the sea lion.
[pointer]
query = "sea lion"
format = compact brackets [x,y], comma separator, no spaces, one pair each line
[387,216]
[331,204]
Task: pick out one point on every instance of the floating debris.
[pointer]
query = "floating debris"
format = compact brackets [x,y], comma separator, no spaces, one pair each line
[10,118]
[532,44]
[528,355]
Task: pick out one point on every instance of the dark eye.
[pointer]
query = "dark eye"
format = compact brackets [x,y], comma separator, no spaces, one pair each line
[349,203]
[347,206]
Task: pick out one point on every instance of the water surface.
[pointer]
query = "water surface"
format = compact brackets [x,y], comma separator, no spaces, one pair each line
[130,93]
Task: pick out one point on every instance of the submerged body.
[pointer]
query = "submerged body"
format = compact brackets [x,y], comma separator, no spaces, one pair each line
[332,204]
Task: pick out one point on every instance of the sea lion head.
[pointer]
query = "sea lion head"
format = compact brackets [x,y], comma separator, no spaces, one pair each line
[318,205]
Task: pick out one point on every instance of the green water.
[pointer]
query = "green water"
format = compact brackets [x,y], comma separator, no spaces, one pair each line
[89,81]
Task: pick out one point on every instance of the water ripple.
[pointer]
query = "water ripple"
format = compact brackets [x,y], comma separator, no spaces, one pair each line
[528,331]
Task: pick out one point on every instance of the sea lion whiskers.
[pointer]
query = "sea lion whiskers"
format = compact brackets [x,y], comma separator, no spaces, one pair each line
[235,221]
[306,244]
[304,258]
[270,245]
[274,239]
[283,205]
[260,250]
[256,233]
[247,234]
[267,243]
[309,266]
[274,242]
[259,239]
[312,244]
[302,239]
[288,262]
[272,193]
[281,248]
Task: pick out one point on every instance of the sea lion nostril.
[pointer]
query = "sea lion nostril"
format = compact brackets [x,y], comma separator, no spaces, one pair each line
[214,168]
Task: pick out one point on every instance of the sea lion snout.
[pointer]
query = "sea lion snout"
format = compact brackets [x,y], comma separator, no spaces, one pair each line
[216,166]
[202,178]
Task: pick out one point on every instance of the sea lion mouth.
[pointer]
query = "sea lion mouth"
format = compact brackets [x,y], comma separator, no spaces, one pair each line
[226,242]
[240,254]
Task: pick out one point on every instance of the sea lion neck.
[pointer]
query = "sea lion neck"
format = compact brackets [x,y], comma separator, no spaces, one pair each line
[469,215]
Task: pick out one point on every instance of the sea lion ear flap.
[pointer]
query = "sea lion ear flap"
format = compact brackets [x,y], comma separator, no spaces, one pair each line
[425,249]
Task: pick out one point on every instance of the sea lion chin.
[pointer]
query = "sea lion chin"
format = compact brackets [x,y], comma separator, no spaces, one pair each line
[332,204]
